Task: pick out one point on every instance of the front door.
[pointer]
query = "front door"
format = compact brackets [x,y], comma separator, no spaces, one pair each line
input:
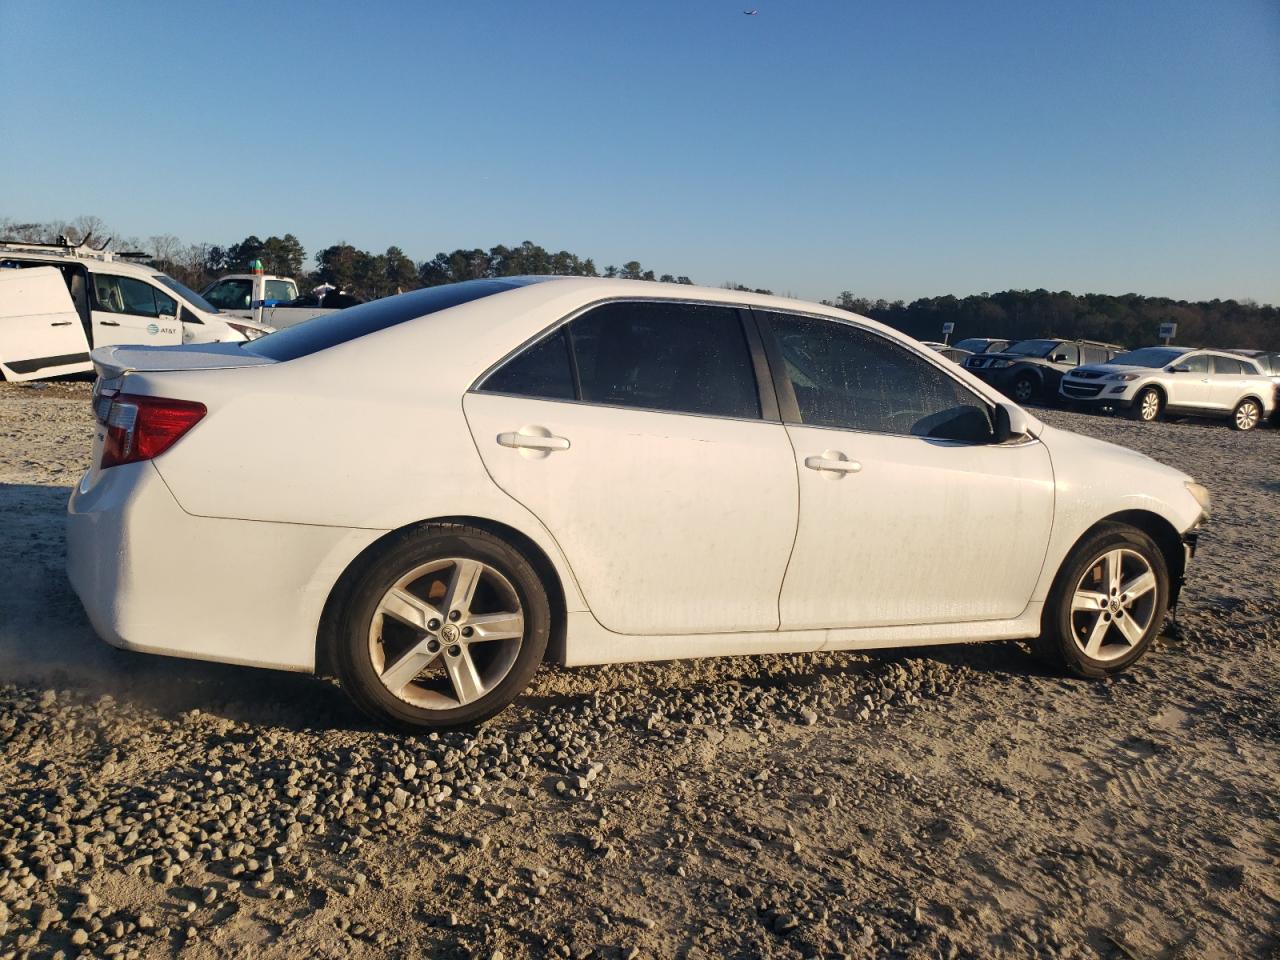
[40,331]
[1189,384]
[909,512]
[635,434]
[131,310]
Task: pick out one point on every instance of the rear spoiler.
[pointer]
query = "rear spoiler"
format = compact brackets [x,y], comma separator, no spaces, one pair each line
[113,362]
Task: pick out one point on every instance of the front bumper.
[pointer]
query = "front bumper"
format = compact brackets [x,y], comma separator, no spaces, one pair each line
[155,579]
[1095,393]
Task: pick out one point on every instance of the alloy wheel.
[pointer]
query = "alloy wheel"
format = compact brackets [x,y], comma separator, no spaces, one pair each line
[1247,415]
[1113,604]
[446,634]
[1023,390]
[1150,405]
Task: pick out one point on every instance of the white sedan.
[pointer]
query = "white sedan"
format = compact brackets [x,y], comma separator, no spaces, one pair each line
[430,494]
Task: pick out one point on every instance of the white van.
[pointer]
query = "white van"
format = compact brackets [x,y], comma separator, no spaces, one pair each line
[59,301]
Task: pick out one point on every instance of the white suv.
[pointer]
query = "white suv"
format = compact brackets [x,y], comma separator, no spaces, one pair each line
[1153,380]
[58,300]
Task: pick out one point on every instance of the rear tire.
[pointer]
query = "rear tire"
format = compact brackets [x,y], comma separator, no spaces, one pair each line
[1107,604]
[1147,405]
[442,628]
[1246,416]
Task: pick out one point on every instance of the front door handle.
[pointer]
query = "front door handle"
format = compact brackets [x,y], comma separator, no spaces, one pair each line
[109,323]
[533,441]
[833,461]
[61,323]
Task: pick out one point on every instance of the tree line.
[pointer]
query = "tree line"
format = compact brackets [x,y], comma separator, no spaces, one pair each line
[1128,320]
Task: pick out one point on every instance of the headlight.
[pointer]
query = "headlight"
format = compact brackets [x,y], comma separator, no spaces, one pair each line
[997,364]
[248,332]
[1201,493]
[1121,376]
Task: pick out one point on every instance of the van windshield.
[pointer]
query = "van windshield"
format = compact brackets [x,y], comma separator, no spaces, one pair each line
[187,294]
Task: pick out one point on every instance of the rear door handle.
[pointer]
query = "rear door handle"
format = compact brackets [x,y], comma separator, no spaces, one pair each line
[109,323]
[834,462]
[527,441]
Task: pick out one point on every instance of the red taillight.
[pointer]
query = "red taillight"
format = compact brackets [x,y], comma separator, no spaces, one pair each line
[139,428]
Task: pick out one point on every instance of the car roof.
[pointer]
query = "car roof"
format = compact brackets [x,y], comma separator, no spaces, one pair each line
[124,268]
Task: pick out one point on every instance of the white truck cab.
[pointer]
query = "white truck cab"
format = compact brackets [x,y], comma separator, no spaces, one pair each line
[59,300]
[241,291]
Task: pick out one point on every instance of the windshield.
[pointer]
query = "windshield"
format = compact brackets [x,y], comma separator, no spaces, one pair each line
[975,344]
[1032,348]
[193,298]
[1149,357]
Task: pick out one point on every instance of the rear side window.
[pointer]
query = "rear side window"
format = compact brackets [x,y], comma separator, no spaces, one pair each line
[541,371]
[652,355]
[1094,355]
[847,377]
[1228,365]
[656,355]
[329,330]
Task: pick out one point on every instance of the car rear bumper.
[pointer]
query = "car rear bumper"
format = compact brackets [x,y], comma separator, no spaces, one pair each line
[155,579]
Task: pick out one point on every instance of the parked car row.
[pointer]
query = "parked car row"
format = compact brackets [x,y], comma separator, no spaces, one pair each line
[1241,386]
[59,300]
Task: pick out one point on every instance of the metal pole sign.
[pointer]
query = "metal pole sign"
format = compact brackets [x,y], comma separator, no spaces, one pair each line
[1167,332]
[259,289]
[947,328]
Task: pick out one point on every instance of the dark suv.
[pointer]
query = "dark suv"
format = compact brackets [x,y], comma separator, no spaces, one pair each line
[1032,369]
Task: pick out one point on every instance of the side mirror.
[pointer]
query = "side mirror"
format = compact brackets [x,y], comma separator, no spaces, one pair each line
[1010,421]
[1179,368]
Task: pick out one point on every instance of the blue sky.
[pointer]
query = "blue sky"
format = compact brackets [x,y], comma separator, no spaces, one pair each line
[896,149]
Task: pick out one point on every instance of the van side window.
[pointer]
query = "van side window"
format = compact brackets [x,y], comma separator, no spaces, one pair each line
[128,295]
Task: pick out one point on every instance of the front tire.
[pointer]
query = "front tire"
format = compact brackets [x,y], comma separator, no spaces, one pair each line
[1246,416]
[1024,389]
[1107,604]
[442,628]
[1147,405]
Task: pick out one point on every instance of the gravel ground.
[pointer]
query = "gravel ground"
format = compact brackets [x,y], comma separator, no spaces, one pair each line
[955,802]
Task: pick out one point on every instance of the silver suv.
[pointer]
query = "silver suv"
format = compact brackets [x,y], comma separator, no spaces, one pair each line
[1154,380]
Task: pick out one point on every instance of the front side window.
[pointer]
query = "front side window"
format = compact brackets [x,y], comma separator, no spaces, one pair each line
[1197,364]
[847,377]
[659,355]
[280,291]
[128,295]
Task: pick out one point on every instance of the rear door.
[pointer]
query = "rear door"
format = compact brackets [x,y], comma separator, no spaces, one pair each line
[40,331]
[1231,379]
[636,434]
[132,310]
[909,513]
